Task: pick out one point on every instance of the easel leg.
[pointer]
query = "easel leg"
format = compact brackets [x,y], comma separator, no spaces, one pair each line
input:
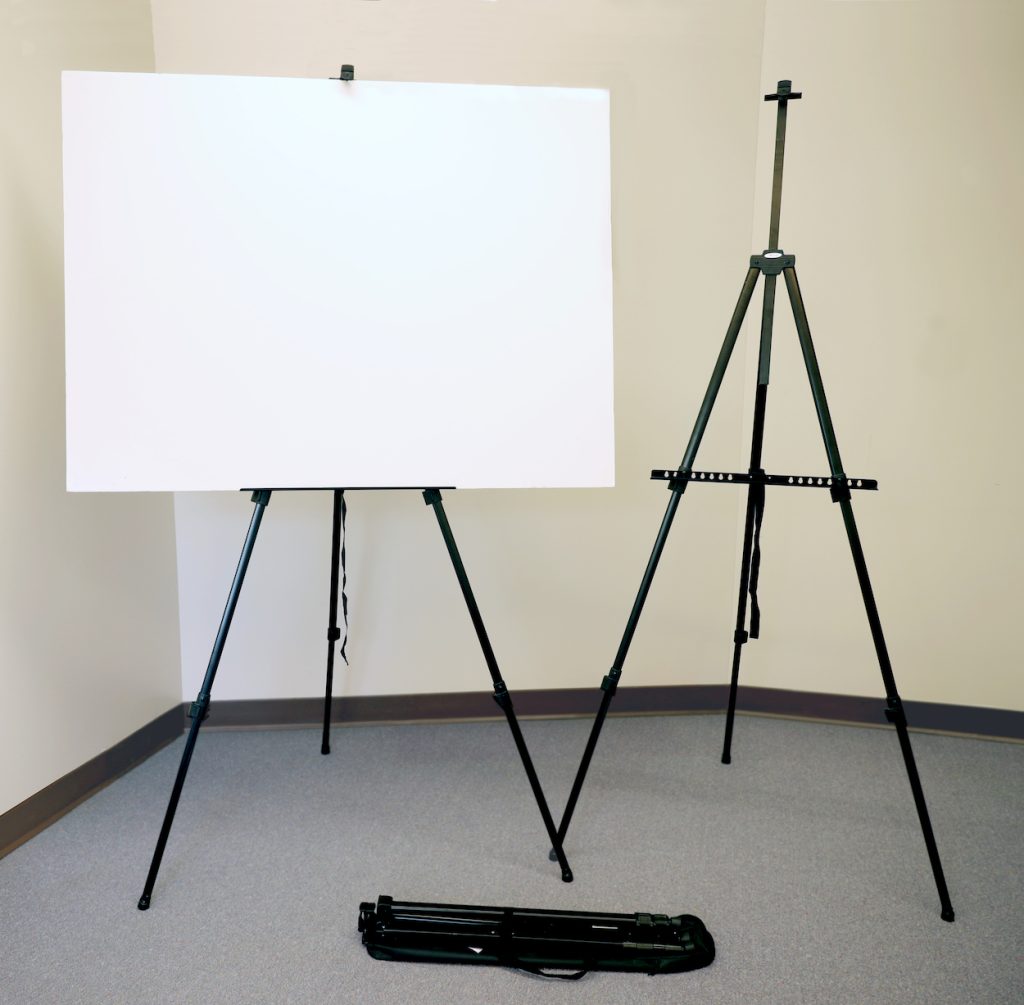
[610,682]
[501,695]
[841,494]
[740,635]
[755,507]
[200,706]
[333,632]
[894,708]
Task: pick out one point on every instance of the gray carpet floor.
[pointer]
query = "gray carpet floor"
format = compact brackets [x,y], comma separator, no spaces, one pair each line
[804,858]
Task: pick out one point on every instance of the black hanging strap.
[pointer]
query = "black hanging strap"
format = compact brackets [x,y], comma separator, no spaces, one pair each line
[344,578]
[757,490]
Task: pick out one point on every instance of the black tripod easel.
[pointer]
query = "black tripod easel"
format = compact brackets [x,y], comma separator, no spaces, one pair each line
[772,263]
[199,709]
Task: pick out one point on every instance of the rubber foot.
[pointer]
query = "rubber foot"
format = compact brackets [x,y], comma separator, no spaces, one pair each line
[325,749]
[727,758]
[552,857]
[947,914]
[144,902]
[567,875]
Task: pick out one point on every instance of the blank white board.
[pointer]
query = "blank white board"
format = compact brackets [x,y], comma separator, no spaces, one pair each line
[283,283]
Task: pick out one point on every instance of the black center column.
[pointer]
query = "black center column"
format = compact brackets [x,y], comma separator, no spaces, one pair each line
[771,263]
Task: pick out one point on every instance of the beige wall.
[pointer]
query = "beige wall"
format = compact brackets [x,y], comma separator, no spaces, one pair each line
[88,641]
[903,207]
[554,572]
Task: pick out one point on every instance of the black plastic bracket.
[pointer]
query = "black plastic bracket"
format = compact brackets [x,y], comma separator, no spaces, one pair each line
[431,496]
[772,261]
[740,636]
[840,488]
[200,707]
[501,696]
[894,711]
[333,634]
[611,680]
[347,72]
[261,496]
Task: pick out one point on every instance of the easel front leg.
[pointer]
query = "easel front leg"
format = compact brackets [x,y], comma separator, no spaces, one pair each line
[740,635]
[751,559]
[894,706]
[611,679]
[333,631]
[200,706]
[432,498]
[841,494]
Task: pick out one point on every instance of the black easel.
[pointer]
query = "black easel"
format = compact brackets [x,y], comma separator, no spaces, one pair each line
[772,263]
[199,710]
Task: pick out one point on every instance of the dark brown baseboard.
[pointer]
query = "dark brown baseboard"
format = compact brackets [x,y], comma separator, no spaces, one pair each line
[39,811]
[661,699]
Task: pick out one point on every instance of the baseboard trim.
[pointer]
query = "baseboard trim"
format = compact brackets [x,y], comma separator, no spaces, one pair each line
[966,720]
[36,813]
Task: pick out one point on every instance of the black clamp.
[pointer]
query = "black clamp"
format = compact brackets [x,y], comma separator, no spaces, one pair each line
[501,695]
[611,680]
[333,634]
[348,72]
[894,711]
[740,636]
[840,488]
[772,262]
[200,708]
[261,496]
[431,496]
[367,915]
[679,481]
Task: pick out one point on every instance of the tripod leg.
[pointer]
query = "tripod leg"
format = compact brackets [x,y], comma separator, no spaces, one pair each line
[333,632]
[841,494]
[755,507]
[501,695]
[200,706]
[611,680]
[740,635]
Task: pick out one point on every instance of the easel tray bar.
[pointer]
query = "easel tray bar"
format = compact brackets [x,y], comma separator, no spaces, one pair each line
[745,478]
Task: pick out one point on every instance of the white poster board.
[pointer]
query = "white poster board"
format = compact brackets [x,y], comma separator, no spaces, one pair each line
[284,283]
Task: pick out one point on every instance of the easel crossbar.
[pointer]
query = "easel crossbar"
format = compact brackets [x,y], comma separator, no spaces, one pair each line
[746,478]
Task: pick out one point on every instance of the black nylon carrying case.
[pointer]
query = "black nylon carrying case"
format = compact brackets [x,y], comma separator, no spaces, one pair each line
[534,940]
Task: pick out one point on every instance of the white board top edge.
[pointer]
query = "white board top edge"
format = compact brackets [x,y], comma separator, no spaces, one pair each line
[593,92]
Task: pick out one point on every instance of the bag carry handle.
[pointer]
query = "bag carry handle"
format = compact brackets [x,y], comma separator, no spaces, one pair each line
[538,972]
